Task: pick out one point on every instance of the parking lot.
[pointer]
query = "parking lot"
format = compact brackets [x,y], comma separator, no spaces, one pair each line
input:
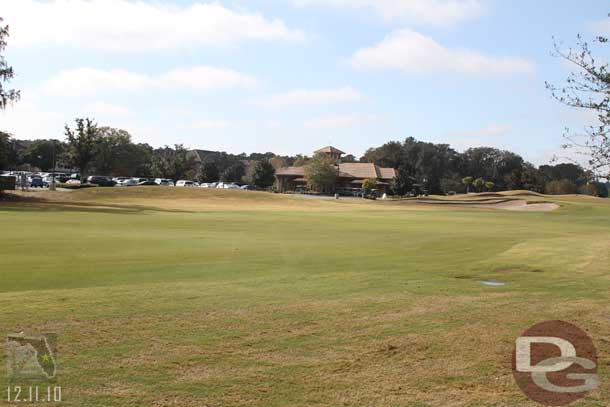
[66,181]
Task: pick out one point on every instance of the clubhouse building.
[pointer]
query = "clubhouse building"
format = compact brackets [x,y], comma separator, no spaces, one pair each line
[350,175]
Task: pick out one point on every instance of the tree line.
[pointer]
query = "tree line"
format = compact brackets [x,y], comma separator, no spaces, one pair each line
[439,169]
[90,149]
[420,166]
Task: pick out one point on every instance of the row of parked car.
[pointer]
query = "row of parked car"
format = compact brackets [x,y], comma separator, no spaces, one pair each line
[43,180]
[131,182]
[38,179]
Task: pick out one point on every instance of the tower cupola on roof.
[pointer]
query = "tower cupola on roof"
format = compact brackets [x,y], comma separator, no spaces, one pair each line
[330,151]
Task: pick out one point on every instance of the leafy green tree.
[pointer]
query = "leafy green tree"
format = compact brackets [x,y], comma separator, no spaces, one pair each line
[278,162]
[6,96]
[117,155]
[111,154]
[468,182]
[263,175]
[479,183]
[209,172]
[42,154]
[349,159]
[451,185]
[532,179]
[6,71]
[504,168]
[82,145]
[389,155]
[321,173]
[489,185]
[569,171]
[234,173]
[173,163]
[404,180]
[301,160]
[5,146]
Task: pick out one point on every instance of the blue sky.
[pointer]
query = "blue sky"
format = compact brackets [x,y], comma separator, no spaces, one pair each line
[290,76]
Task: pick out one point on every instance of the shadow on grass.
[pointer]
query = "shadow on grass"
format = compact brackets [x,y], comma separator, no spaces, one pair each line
[14,203]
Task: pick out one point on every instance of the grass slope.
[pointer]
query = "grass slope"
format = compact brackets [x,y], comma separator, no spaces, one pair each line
[184,297]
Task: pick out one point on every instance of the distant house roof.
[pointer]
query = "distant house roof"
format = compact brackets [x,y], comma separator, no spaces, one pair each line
[386,173]
[346,170]
[359,170]
[298,171]
[329,150]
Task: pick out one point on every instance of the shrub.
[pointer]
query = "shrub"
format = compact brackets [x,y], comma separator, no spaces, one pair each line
[588,189]
[594,189]
[603,190]
[449,185]
[561,187]
[369,184]
[479,183]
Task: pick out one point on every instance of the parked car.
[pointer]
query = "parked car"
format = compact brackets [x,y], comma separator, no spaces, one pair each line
[129,182]
[142,179]
[248,187]
[59,178]
[35,181]
[73,181]
[164,182]
[148,183]
[186,183]
[207,185]
[119,180]
[101,181]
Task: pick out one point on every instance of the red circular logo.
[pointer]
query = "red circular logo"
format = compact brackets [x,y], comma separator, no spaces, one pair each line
[555,363]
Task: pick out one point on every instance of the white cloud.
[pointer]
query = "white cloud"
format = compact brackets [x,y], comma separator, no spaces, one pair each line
[490,135]
[207,78]
[301,97]
[107,109]
[601,27]
[340,121]
[90,81]
[25,120]
[136,25]
[493,130]
[556,156]
[206,125]
[411,52]
[437,12]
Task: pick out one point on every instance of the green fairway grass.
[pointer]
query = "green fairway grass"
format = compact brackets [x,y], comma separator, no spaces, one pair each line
[177,297]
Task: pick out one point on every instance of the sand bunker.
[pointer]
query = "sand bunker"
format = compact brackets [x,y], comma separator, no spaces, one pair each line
[505,204]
